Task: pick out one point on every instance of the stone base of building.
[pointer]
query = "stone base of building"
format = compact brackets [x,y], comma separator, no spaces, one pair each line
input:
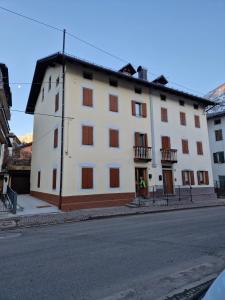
[86,201]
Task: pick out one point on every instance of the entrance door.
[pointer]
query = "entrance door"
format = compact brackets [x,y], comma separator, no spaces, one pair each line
[168,181]
[141,173]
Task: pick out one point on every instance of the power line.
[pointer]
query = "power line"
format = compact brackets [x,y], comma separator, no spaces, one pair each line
[42,114]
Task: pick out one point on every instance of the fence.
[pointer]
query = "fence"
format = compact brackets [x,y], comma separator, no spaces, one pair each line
[8,202]
[220,188]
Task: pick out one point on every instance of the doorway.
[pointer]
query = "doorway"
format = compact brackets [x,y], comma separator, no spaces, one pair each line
[141,173]
[168,181]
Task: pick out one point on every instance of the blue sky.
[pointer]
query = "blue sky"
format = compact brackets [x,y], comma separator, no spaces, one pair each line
[184,40]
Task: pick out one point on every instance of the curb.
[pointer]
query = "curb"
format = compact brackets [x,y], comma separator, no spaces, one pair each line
[62,218]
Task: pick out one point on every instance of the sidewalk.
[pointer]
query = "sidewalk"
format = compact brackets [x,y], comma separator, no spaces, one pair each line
[57,217]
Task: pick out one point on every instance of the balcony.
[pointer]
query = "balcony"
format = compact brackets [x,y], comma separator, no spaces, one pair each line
[142,154]
[168,155]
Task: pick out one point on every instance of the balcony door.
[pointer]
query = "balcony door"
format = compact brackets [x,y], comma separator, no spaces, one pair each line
[168,181]
[141,173]
[165,142]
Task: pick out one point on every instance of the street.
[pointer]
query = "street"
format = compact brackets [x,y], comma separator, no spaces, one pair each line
[138,257]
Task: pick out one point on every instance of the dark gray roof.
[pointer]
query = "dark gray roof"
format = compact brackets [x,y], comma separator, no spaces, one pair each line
[6,86]
[58,58]
[216,114]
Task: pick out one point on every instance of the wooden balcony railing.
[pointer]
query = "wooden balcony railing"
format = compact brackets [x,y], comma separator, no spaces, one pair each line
[169,155]
[142,153]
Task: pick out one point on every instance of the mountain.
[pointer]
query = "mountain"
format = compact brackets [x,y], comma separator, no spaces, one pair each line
[26,138]
[218,96]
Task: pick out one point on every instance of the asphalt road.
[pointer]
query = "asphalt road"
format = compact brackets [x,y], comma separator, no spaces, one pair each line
[138,257]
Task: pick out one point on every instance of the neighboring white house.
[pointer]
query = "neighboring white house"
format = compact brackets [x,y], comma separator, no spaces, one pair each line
[117,130]
[216,128]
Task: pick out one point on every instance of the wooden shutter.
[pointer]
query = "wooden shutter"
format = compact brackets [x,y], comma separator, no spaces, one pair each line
[192,177]
[87,97]
[185,149]
[144,110]
[197,121]
[137,139]
[183,177]
[56,102]
[199,148]
[54,178]
[39,179]
[164,116]
[114,138]
[114,177]
[146,139]
[198,176]
[133,108]
[87,178]
[56,138]
[182,118]
[215,158]
[113,103]
[165,142]
[206,177]
[87,135]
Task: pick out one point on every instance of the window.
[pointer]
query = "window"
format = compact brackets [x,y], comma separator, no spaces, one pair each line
[87,178]
[113,82]
[165,140]
[181,102]
[56,138]
[88,75]
[219,135]
[57,81]
[203,177]
[113,103]
[113,138]
[195,106]
[114,177]
[188,177]
[39,179]
[141,139]
[217,121]
[54,178]
[43,94]
[182,118]
[56,102]
[164,116]
[199,148]
[139,109]
[162,97]
[138,90]
[197,121]
[87,97]
[87,135]
[218,157]
[49,83]
[185,148]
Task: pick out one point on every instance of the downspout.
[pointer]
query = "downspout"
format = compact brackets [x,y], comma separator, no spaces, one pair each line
[154,164]
[62,123]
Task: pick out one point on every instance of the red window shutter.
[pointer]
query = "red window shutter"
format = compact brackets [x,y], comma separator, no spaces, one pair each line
[192,178]
[54,178]
[182,118]
[197,122]
[164,116]
[114,138]
[39,179]
[146,140]
[87,178]
[144,110]
[198,175]
[56,102]
[137,139]
[114,177]
[185,149]
[199,148]
[113,103]
[56,138]
[133,108]
[87,135]
[206,177]
[87,97]
[165,142]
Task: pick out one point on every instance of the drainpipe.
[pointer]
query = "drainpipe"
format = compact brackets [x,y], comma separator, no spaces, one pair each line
[62,123]
[154,164]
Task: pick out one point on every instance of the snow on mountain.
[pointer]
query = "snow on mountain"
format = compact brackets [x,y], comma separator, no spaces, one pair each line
[218,96]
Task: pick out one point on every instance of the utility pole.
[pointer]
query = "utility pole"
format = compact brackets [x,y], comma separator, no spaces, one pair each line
[62,123]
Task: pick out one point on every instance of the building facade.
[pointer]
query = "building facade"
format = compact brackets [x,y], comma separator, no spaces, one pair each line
[216,128]
[117,131]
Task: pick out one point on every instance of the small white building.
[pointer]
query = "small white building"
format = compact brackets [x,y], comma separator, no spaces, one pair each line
[98,132]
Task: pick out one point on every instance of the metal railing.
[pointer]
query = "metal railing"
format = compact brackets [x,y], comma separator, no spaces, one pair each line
[142,153]
[169,155]
[12,198]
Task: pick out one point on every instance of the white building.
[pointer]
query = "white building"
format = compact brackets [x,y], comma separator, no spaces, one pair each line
[116,129]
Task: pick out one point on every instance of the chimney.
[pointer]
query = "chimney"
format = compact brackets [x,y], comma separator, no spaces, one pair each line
[142,73]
